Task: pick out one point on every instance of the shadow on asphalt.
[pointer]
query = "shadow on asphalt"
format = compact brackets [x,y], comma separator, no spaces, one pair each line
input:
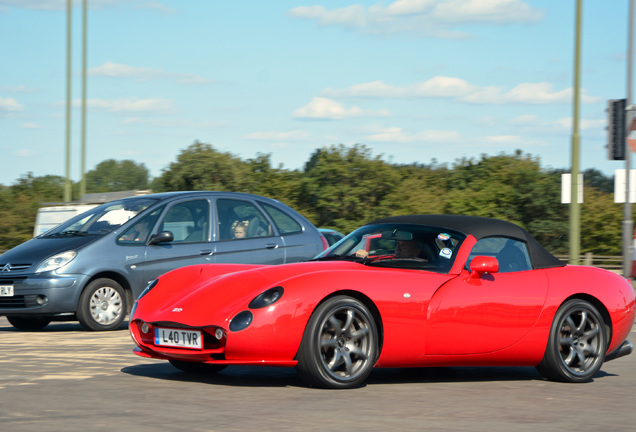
[59,326]
[255,376]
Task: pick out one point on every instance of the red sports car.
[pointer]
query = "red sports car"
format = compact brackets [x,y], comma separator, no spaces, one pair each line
[406,291]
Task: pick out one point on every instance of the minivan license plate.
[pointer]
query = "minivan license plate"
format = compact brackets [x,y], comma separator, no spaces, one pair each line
[6,290]
[178,338]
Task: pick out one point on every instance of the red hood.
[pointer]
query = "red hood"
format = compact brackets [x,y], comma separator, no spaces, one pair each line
[213,293]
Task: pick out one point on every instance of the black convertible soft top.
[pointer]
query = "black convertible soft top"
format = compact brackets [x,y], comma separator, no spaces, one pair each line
[481,227]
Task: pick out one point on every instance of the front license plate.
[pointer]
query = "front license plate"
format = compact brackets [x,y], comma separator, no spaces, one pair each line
[178,338]
[6,290]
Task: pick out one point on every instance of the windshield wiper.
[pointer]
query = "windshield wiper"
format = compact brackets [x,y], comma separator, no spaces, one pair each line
[70,233]
[397,261]
[339,257]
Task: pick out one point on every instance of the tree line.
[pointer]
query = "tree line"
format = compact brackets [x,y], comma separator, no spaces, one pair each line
[344,187]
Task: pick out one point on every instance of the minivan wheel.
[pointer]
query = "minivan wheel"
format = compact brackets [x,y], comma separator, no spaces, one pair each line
[102,306]
[28,322]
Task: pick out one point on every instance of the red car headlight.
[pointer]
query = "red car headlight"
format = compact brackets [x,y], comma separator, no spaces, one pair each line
[267,298]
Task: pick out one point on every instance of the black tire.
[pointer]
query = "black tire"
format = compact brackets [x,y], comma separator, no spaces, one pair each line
[340,345]
[196,367]
[28,322]
[102,306]
[577,344]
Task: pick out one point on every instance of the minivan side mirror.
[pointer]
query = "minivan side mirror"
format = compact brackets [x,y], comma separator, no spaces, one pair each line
[483,264]
[161,237]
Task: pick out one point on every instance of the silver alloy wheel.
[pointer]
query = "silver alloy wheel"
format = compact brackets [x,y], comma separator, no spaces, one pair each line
[581,342]
[345,343]
[106,305]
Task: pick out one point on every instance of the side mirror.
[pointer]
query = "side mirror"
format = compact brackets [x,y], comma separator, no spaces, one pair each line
[161,237]
[483,264]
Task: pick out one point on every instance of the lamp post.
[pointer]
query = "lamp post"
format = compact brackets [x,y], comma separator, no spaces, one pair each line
[628,223]
[82,191]
[575,209]
[67,180]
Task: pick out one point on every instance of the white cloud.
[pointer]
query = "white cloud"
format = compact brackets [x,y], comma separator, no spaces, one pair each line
[128,105]
[34,4]
[328,109]
[10,105]
[559,125]
[399,135]
[143,74]
[30,126]
[451,87]
[487,11]
[16,89]
[114,70]
[439,86]
[58,5]
[349,17]
[433,18]
[23,153]
[164,123]
[538,93]
[504,139]
[409,7]
[295,135]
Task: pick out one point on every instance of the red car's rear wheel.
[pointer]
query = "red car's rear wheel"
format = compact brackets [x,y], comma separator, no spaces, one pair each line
[340,345]
[577,344]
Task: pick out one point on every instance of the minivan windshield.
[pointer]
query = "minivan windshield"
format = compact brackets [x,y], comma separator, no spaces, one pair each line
[101,220]
[399,246]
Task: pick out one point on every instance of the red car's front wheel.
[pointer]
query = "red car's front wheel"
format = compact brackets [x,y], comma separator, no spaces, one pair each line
[340,345]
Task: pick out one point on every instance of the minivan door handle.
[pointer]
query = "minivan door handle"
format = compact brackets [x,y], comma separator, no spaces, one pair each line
[206,252]
[271,246]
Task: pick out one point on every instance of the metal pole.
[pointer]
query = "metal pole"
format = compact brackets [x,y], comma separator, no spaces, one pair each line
[82,191]
[67,181]
[628,224]
[575,210]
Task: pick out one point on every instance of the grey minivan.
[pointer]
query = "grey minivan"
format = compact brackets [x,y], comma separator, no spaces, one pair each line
[91,267]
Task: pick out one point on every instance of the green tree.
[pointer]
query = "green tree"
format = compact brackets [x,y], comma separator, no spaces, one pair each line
[277,183]
[513,188]
[111,175]
[19,204]
[601,223]
[343,187]
[201,167]
[420,190]
[596,179]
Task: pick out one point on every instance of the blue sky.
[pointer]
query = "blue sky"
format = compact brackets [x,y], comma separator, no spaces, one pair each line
[414,80]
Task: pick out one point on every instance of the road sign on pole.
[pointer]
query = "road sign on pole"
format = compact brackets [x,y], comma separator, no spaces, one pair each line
[566,188]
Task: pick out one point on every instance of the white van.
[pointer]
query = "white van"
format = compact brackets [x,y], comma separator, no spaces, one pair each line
[50,217]
[54,214]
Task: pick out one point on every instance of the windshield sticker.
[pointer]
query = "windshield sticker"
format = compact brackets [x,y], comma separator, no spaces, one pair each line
[443,236]
[446,253]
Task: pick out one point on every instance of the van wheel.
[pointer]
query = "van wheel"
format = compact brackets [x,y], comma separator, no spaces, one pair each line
[102,306]
[28,322]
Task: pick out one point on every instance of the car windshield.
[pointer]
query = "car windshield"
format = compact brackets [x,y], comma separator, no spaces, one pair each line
[101,220]
[400,246]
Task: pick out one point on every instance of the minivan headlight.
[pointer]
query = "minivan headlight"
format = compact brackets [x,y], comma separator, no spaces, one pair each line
[56,261]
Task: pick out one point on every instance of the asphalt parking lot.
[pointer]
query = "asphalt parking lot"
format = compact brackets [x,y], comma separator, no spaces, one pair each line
[65,378]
